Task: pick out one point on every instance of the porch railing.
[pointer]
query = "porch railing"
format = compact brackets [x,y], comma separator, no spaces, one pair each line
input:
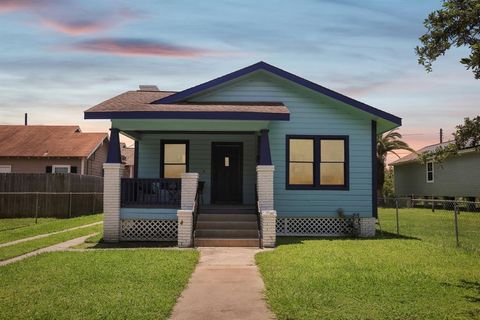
[150,193]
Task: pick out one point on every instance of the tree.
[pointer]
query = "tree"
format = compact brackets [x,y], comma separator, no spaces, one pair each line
[456,24]
[387,143]
[467,135]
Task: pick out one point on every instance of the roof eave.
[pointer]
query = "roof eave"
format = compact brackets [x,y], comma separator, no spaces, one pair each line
[188,115]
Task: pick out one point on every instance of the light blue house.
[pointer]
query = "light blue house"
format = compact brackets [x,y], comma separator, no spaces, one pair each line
[240,159]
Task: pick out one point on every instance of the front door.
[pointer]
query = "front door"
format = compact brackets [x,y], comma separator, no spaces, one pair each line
[227,170]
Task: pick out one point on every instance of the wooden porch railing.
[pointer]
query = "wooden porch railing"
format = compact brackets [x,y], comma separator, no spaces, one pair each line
[150,193]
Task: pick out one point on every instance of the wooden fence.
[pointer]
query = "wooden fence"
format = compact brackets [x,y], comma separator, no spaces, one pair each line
[49,195]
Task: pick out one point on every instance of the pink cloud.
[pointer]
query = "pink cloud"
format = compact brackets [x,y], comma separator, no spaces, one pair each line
[78,27]
[139,47]
[17,5]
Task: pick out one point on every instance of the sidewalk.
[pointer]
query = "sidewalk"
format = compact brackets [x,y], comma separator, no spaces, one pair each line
[226,284]
[56,247]
[6,244]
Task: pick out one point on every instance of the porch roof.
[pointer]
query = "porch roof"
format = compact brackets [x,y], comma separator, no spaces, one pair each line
[138,105]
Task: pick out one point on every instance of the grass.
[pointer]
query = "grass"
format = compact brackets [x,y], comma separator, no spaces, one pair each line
[46,225]
[98,284]
[15,223]
[420,275]
[28,246]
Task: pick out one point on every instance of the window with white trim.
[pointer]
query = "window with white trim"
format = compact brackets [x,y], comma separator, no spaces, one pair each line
[5,168]
[61,169]
[430,171]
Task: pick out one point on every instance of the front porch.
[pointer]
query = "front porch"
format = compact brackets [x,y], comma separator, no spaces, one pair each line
[181,176]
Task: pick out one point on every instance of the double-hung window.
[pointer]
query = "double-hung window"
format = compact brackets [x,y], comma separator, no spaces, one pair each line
[317,162]
[174,158]
[430,172]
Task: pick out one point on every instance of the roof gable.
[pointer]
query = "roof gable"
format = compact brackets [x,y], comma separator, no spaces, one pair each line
[185,94]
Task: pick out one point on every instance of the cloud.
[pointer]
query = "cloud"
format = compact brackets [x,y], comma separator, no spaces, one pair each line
[69,17]
[77,27]
[140,47]
[18,5]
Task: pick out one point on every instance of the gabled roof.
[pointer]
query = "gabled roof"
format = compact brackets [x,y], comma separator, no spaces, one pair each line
[48,141]
[430,148]
[185,94]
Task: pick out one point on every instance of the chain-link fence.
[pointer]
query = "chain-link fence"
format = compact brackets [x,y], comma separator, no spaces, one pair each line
[445,222]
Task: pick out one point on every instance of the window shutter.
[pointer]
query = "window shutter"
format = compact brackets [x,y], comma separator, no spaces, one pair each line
[48,169]
[73,169]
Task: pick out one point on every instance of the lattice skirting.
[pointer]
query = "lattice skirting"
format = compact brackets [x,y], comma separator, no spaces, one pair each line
[314,227]
[149,230]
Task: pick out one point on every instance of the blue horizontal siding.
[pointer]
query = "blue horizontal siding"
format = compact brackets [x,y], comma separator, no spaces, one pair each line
[310,114]
[148,213]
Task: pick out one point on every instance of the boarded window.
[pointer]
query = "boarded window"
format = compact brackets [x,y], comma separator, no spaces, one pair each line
[301,162]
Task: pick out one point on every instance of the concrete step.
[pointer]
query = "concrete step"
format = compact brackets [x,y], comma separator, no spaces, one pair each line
[209,242]
[226,234]
[226,217]
[227,210]
[228,225]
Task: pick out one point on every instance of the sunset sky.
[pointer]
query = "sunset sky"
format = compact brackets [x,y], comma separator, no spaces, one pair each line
[57,58]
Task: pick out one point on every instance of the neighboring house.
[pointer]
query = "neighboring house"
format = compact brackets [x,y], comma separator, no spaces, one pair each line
[457,176]
[51,149]
[128,159]
[259,137]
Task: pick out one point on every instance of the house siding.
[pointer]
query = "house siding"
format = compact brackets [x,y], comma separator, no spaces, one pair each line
[199,158]
[456,177]
[310,114]
[36,165]
[94,165]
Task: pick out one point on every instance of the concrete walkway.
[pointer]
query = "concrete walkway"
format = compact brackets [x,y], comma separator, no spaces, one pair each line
[226,284]
[56,247]
[47,234]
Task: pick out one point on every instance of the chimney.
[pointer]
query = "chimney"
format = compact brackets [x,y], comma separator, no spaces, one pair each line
[147,87]
[26,118]
[441,135]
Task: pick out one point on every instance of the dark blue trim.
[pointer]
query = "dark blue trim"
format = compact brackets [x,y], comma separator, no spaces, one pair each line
[114,154]
[188,115]
[265,156]
[374,170]
[182,95]
[135,160]
[316,163]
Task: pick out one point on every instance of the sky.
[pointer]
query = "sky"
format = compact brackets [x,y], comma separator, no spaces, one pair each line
[60,57]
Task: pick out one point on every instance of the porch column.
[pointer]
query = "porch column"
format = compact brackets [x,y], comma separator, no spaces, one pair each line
[265,170]
[187,207]
[113,170]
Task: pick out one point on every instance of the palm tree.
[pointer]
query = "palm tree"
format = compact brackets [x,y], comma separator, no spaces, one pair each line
[388,142]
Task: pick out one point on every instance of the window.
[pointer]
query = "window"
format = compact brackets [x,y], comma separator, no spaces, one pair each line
[430,172]
[174,159]
[5,168]
[317,162]
[61,169]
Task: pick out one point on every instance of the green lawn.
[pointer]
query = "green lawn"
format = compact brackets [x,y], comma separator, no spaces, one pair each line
[48,225]
[421,275]
[14,223]
[28,246]
[437,227]
[98,284]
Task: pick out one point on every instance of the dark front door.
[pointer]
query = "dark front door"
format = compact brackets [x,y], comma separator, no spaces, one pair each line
[227,172]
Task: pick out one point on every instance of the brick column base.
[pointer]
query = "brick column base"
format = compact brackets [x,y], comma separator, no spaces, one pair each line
[185,226]
[111,201]
[367,227]
[268,220]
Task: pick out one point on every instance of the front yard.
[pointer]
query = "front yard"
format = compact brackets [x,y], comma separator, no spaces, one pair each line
[422,277]
[97,284]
